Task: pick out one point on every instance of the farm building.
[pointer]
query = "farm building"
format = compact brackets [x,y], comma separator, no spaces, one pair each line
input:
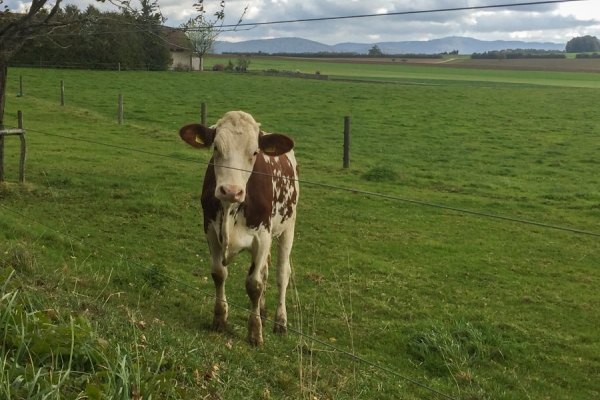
[180,47]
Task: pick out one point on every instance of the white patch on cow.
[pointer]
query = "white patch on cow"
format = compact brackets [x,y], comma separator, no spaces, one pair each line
[235,144]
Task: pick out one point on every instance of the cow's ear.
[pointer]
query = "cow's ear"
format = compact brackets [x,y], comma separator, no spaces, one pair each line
[198,136]
[275,144]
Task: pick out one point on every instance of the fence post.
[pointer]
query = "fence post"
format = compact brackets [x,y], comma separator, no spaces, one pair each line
[119,67]
[1,158]
[21,86]
[62,93]
[203,115]
[346,142]
[120,109]
[22,137]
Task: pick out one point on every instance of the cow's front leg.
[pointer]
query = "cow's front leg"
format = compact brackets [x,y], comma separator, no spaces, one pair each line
[219,274]
[283,277]
[255,286]
[263,302]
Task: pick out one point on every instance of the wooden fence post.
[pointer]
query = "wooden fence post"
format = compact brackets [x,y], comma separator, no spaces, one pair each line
[1,158]
[23,148]
[62,93]
[21,86]
[120,109]
[203,115]
[346,142]
[12,132]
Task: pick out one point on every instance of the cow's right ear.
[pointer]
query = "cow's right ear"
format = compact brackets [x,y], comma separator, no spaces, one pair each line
[198,136]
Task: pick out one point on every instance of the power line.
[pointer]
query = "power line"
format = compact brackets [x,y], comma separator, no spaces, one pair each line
[346,189]
[189,286]
[438,10]
[232,27]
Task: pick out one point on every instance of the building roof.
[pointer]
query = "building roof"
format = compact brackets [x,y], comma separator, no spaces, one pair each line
[176,39]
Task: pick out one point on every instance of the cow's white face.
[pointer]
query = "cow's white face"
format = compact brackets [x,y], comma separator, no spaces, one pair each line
[237,142]
[235,148]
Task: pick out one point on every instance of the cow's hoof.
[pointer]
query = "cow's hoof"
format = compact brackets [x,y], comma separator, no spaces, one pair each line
[219,325]
[255,341]
[280,329]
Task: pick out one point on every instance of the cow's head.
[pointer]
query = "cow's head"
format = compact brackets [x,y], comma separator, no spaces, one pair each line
[237,142]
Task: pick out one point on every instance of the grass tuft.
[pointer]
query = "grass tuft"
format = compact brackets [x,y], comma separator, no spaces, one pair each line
[380,174]
[48,355]
[19,256]
[456,349]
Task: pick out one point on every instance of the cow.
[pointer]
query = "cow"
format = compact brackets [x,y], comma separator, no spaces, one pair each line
[249,196]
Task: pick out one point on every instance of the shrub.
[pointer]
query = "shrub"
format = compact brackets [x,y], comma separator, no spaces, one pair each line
[380,174]
[181,68]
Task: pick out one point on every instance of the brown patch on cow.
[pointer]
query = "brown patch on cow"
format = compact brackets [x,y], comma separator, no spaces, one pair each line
[285,186]
[259,196]
[210,204]
[252,268]
[218,279]
[198,136]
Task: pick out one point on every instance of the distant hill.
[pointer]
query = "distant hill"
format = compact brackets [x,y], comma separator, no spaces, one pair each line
[464,45]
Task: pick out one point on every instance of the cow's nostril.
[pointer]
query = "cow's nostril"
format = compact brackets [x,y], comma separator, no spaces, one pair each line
[223,191]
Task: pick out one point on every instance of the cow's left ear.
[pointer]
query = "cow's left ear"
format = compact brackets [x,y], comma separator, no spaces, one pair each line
[275,144]
[198,136]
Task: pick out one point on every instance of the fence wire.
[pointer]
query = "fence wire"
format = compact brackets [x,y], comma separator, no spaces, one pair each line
[342,188]
[234,305]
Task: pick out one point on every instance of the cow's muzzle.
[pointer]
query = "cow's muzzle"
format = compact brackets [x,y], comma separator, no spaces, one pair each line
[230,193]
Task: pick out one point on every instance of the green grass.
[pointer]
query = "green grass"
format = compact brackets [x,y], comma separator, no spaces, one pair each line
[474,307]
[403,73]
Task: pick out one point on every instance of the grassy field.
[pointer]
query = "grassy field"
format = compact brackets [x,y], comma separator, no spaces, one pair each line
[473,72]
[470,306]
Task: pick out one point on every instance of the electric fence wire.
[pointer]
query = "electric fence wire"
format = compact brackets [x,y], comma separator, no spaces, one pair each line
[413,12]
[342,188]
[234,305]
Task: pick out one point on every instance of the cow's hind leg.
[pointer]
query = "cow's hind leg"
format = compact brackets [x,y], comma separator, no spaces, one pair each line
[219,274]
[283,277]
[255,285]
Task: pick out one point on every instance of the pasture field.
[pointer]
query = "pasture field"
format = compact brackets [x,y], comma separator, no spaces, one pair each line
[470,306]
[473,72]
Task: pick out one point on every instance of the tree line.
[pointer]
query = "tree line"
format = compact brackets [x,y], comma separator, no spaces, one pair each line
[100,40]
[519,54]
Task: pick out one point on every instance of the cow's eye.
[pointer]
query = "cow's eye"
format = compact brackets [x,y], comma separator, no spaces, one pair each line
[256,153]
[216,149]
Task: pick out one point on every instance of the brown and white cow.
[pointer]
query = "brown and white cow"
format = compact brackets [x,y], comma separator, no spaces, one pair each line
[249,196]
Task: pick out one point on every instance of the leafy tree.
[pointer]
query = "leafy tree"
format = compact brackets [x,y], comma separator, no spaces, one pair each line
[242,64]
[15,30]
[375,51]
[82,40]
[157,55]
[99,40]
[203,32]
[583,44]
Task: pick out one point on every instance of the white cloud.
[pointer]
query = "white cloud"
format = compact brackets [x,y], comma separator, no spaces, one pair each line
[550,22]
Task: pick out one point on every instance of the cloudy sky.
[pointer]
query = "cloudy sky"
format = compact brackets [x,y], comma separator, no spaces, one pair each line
[549,23]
